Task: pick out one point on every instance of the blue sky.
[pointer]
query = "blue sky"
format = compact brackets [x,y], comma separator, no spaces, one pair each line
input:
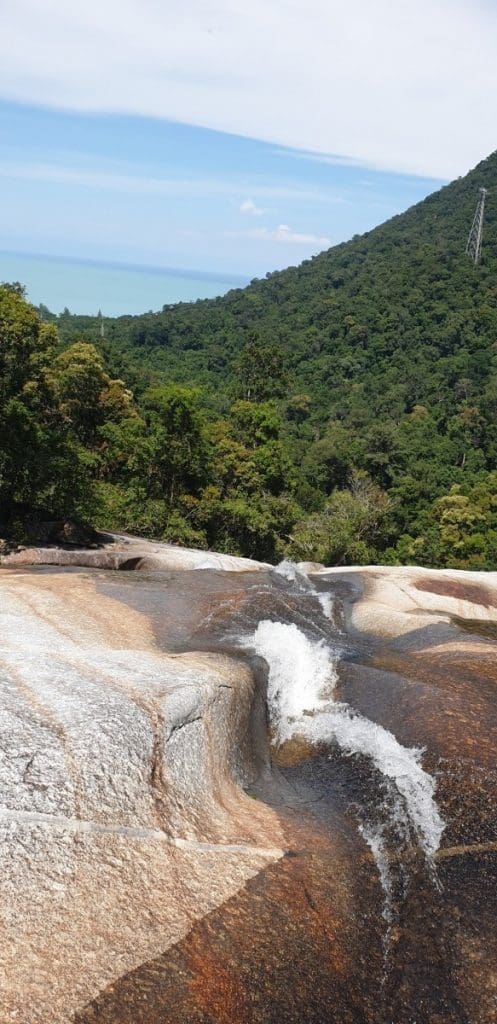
[221,136]
[148,191]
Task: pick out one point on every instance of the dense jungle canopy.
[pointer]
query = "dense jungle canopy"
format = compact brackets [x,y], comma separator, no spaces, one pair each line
[340,411]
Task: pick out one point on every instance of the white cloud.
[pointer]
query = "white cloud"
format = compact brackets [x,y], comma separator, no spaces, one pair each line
[249,207]
[407,86]
[283,233]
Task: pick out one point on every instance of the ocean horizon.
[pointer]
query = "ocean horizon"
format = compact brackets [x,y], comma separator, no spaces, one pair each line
[86,286]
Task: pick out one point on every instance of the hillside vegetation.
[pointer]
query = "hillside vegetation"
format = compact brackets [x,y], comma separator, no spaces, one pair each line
[343,410]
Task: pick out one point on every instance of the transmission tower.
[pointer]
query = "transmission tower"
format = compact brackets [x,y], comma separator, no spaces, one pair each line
[473,247]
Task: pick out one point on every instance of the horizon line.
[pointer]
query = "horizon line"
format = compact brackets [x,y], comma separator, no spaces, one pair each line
[208,275]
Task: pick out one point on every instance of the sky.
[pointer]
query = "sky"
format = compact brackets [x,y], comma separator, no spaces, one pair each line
[232,137]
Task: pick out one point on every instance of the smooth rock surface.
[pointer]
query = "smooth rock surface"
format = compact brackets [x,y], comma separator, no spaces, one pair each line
[400,599]
[121,820]
[140,883]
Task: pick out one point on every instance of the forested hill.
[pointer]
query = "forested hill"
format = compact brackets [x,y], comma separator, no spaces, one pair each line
[343,410]
[376,312]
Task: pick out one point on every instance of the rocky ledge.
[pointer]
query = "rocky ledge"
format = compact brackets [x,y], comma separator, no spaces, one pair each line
[121,551]
[124,768]
[123,818]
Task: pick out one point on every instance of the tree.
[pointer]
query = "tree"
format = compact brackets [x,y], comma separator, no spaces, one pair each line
[41,472]
[388,345]
[329,461]
[87,395]
[346,531]
[460,528]
[261,371]
[180,451]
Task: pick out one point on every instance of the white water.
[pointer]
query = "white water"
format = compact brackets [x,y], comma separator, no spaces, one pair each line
[326,602]
[302,675]
[291,572]
[374,837]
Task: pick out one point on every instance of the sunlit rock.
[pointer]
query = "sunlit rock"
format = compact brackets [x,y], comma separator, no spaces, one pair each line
[162,864]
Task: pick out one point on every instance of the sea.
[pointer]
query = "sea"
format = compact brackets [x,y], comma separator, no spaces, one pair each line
[85,287]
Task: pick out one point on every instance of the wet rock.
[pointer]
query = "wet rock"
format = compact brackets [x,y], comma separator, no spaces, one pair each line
[141,883]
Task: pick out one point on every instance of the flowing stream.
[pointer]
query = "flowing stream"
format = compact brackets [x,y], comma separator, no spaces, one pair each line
[285,620]
[302,677]
[365,900]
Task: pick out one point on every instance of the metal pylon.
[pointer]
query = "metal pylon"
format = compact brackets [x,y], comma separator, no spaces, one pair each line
[473,247]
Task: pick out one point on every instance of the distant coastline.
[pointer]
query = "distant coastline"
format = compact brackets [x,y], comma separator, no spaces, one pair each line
[145,268]
[86,286]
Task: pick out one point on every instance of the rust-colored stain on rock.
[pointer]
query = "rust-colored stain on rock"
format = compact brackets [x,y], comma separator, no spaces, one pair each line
[461,589]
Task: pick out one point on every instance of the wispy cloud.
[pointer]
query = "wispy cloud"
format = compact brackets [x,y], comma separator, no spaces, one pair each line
[120,180]
[283,233]
[332,159]
[404,86]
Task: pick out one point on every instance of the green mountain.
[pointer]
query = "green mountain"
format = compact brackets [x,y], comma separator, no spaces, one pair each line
[347,406]
[376,311]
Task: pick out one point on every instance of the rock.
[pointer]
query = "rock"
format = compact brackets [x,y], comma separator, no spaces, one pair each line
[401,599]
[140,884]
[63,532]
[119,551]
[122,820]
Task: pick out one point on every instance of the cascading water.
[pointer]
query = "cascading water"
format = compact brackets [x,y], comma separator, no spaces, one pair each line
[302,583]
[302,675]
[362,780]
[302,662]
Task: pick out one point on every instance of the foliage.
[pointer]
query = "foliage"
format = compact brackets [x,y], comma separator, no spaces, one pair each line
[344,410]
[347,530]
[41,467]
[459,529]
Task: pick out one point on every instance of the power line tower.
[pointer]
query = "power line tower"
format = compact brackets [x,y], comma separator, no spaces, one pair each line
[473,247]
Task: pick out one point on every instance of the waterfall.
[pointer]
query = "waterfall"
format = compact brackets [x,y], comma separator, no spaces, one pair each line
[301,679]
